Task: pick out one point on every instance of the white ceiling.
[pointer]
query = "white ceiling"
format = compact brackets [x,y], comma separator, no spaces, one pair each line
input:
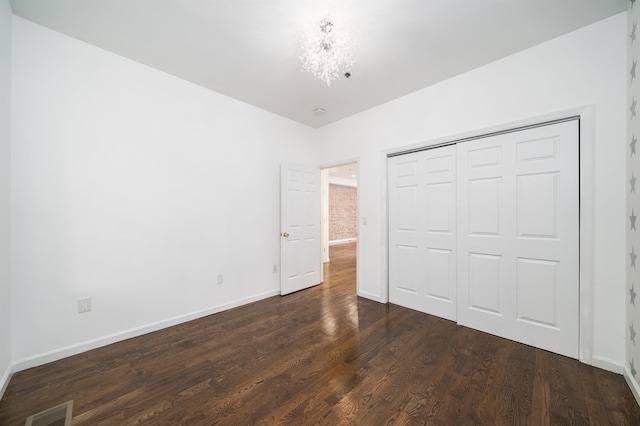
[344,171]
[248,49]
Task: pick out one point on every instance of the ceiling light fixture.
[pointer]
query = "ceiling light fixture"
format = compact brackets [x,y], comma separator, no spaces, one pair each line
[327,51]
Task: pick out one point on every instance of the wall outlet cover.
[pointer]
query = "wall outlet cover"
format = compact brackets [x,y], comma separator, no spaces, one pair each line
[84,305]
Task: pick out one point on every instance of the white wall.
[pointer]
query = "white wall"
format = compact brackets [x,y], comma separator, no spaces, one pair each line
[134,188]
[586,67]
[5,136]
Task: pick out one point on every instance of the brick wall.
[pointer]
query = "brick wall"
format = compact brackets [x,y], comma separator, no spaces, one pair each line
[342,212]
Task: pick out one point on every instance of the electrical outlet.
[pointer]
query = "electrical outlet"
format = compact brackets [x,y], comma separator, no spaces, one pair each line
[220,279]
[84,305]
[275,268]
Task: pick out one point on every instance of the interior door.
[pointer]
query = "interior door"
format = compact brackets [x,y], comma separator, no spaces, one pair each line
[422,238]
[299,227]
[518,236]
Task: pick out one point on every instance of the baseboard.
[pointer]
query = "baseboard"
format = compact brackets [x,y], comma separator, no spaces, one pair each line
[607,364]
[76,349]
[344,241]
[633,385]
[4,381]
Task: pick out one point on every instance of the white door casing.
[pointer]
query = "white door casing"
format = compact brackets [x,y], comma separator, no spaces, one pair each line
[300,242]
[422,236]
[516,234]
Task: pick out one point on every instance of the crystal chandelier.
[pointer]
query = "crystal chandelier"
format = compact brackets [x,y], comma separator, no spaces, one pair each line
[326,52]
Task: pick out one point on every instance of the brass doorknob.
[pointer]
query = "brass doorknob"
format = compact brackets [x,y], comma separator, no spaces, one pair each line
[286,234]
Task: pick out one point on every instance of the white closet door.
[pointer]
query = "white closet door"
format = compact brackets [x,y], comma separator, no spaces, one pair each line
[518,236]
[422,241]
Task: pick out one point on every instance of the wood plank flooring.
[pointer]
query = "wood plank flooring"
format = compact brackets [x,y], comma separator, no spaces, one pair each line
[322,356]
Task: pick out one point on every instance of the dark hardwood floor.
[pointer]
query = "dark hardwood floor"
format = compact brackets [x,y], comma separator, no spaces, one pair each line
[322,356]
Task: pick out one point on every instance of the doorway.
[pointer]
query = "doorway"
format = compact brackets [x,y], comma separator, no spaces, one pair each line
[339,208]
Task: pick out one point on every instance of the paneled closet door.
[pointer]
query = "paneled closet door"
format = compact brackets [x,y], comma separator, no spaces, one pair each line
[422,223]
[518,236]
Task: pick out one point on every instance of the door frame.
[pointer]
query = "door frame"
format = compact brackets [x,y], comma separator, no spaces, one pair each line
[586,115]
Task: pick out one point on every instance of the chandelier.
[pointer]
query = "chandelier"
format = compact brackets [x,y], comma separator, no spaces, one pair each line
[326,51]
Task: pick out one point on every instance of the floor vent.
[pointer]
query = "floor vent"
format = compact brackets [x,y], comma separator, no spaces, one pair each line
[60,415]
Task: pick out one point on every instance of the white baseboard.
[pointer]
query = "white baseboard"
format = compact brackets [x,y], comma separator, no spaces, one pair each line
[4,381]
[67,351]
[607,364]
[344,241]
[633,385]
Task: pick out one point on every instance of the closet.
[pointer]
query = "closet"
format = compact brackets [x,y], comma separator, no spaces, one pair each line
[485,232]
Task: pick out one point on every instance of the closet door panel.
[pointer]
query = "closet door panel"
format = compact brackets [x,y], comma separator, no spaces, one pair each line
[518,236]
[422,226]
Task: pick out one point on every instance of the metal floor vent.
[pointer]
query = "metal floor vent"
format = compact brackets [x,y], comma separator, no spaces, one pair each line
[60,415]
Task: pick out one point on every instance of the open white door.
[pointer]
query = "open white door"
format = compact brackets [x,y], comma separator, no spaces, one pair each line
[299,227]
